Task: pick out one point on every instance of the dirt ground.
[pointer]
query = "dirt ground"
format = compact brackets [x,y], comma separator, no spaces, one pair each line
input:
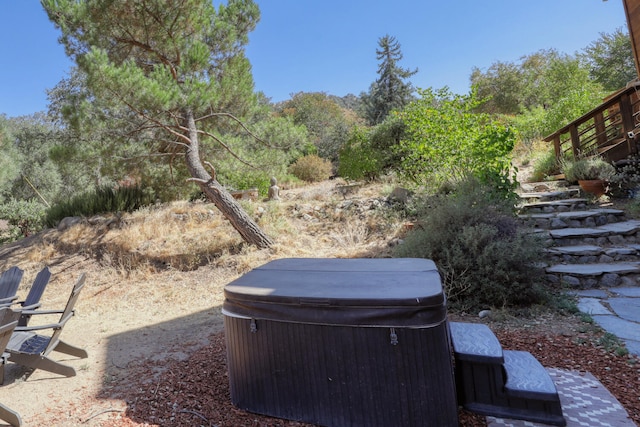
[156,348]
[117,324]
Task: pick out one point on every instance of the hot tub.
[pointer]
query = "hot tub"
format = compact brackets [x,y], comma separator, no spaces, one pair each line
[341,342]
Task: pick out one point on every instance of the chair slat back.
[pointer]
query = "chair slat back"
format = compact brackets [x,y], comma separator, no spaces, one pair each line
[37,289]
[67,313]
[9,282]
[35,294]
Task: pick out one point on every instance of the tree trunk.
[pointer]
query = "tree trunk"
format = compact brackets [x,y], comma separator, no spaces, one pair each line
[220,197]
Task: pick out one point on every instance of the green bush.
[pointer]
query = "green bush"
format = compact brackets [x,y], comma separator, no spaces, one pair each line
[473,237]
[101,200]
[445,139]
[587,169]
[545,165]
[358,160]
[311,168]
[24,218]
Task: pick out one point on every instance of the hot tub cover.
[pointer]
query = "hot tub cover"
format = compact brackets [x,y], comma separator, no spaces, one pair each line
[393,292]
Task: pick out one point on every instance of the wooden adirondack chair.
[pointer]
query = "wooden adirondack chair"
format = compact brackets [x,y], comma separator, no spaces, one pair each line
[9,283]
[8,322]
[32,301]
[32,350]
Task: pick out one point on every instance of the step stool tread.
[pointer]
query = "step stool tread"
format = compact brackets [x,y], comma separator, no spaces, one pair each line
[475,342]
[527,378]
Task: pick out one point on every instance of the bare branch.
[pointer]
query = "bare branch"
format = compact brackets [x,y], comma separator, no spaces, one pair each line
[213,170]
[198,180]
[145,156]
[237,120]
[161,125]
[226,147]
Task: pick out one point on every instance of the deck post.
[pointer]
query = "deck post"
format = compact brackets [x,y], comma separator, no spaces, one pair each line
[626,114]
[575,139]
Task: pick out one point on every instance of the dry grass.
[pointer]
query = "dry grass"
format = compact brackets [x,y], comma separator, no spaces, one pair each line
[309,221]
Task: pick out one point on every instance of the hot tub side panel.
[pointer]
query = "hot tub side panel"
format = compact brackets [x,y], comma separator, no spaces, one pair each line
[342,375]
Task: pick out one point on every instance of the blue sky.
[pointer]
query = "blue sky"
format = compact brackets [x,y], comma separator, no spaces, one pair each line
[329,45]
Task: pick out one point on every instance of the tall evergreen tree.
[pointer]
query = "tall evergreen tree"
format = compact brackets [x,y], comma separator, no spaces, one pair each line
[180,69]
[391,91]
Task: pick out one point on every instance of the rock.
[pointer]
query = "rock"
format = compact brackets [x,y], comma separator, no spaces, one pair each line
[484,313]
[605,259]
[96,220]
[557,223]
[610,280]
[400,195]
[68,222]
[572,281]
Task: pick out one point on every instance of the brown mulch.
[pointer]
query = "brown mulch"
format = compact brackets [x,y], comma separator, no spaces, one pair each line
[196,391]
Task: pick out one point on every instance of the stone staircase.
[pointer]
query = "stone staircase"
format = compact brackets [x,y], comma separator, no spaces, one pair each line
[589,245]
[501,383]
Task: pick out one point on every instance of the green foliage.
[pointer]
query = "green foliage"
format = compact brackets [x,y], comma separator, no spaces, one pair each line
[34,136]
[507,76]
[625,182]
[530,125]
[586,169]
[446,140]
[539,80]
[390,91]
[484,260]
[311,168]
[545,165]
[326,121]
[9,161]
[572,105]
[25,217]
[385,140]
[101,200]
[358,159]
[610,60]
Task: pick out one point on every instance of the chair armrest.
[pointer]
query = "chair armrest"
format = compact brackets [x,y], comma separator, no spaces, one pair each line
[30,312]
[8,299]
[28,308]
[39,327]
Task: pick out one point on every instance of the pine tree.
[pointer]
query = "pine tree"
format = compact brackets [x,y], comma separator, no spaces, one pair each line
[178,66]
[391,91]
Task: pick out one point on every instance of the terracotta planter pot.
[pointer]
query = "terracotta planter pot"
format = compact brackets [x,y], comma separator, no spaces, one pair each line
[597,187]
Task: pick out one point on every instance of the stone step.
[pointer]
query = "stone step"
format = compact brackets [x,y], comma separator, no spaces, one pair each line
[561,205]
[572,219]
[544,186]
[586,276]
[544,196]
[584,254]
[618,233]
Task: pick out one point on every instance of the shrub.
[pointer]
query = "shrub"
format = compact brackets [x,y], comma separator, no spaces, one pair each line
[311,168]
[445,139]
[473,237]
[545,165]
[24,218]
[358,159]
[587,169]
[101,200]
[626,180]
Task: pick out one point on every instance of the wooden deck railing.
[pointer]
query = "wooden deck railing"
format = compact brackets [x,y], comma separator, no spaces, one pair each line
[611,130]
